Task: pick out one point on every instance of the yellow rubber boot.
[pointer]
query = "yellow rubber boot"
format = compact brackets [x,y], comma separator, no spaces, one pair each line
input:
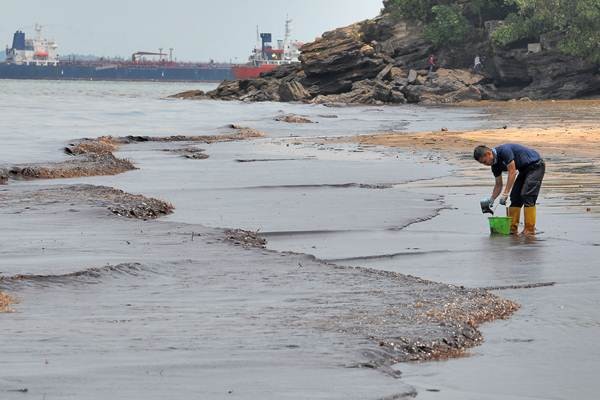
[529,221]
[515,214]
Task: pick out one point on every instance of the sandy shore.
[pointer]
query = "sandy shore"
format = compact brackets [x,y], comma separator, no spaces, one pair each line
[567,141]
[573,169]
[252,305]
[375,318]
[177,307]
[5,302]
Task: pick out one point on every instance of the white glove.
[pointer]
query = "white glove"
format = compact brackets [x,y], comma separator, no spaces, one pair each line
[503,199]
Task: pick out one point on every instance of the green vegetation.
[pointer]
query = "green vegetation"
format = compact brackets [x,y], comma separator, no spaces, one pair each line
[517,28]
[449,22]
[411,9]
[448,26]
[475,11]
[577,22]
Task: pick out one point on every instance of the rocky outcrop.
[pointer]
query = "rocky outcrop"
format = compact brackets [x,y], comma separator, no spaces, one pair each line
[292,91]
[544,75]
[445,86]
[384,61]
[366,92]
[293,119]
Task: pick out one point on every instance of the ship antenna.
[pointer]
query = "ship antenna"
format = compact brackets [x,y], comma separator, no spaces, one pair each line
[38,31]
[257,38]
[286,39]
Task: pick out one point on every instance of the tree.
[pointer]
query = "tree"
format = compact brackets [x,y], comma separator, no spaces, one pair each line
[577,21]
[419,10]
[484,10]
[448,26]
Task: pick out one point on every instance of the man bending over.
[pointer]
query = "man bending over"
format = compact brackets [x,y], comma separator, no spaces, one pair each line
[525,169]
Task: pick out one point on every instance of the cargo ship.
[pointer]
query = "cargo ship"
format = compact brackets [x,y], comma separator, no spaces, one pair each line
[265,57]
[38,58]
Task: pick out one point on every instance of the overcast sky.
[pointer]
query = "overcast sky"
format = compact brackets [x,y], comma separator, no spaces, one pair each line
[198,30]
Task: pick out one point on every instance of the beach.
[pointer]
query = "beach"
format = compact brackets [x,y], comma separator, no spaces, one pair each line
[350,250]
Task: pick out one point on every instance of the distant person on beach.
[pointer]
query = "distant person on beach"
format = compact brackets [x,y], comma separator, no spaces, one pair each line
[431,61]
[523,186]
[477,65]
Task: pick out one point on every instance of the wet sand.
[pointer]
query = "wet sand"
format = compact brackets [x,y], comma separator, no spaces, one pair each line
[171,308]
[573,140]
[349,318]
[5,302]
[191,292]
[571,150]
[543,274]
[359,319]
[94,157]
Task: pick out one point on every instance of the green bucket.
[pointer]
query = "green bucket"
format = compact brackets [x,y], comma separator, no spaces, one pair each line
[500,225]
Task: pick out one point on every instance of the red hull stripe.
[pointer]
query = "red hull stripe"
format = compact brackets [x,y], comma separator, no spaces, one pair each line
[248,71]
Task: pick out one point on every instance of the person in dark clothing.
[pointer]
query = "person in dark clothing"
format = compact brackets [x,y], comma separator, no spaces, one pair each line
[526,170]
[431,62]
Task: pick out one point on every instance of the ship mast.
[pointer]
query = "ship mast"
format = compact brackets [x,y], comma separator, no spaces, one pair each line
[38,31]
[258,48]
[286,39]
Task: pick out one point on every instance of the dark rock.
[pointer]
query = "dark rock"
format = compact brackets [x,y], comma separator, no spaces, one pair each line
[444,86]
[293,91]
[283,71]
[365,92]
[293,119]
[413,93]
[384,60]
[510,70]
[191,153]
[328,116]
[543,75]
[190,94]
[397,97]
[396,73]
[384,74]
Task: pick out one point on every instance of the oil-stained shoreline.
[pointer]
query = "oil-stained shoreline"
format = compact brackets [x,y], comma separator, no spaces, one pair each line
[381,318]
[402,318]
[145,343]
[94,157]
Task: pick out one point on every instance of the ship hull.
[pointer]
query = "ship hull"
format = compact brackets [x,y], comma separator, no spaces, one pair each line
[251,71]
[116,73]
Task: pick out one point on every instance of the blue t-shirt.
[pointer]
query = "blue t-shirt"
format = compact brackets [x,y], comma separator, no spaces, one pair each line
[506,153]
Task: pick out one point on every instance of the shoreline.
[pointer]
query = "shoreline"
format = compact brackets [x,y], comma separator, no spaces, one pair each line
[418,326]
[560,141]
[378,316]
[95,157]
[459,322]
[570,151]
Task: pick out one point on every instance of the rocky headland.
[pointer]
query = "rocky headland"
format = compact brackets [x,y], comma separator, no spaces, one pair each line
[385,61]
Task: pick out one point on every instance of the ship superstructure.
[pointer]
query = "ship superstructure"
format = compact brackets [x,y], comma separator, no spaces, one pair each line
[36,51]
[265,57]
[38,58]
